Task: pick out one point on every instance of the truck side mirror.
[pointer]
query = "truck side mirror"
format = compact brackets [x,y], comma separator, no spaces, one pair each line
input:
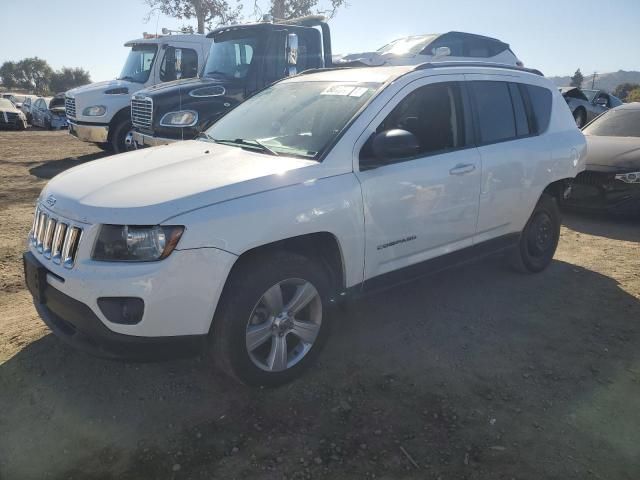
[292,53]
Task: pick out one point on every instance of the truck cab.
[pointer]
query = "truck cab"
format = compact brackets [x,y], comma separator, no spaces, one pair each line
[100,112]
[243,60]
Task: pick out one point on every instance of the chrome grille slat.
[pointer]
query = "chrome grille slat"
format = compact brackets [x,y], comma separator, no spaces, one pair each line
[56,239]
[48,237]
[70,106]
[142,112]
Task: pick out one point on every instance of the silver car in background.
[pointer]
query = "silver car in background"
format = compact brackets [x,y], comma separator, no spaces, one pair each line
[49,113]
[586,105]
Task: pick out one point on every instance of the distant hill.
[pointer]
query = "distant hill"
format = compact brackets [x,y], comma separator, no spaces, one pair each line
[604,81]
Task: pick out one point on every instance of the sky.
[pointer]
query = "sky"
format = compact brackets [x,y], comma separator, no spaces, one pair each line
[554,36]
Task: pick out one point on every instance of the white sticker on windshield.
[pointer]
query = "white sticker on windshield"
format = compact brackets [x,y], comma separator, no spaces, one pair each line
[358,91]
[342,90]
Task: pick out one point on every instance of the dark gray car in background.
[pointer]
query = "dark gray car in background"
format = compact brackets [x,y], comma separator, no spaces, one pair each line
[610,182]
[586,104]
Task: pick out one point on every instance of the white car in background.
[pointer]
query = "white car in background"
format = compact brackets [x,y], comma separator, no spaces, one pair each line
[451,46]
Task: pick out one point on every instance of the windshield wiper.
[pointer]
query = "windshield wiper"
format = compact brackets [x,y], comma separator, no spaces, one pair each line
[255,144]
[205,136]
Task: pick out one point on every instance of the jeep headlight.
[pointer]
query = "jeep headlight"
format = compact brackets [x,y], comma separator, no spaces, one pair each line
[128,243]
[94,111]
[631,177]
[183,118]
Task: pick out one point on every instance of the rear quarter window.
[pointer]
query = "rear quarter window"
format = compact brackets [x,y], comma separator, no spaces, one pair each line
[540,99]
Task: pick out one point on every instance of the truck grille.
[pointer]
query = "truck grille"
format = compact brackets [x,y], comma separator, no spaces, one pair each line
[142,112]
[56,239]
[70,106]
[8,118]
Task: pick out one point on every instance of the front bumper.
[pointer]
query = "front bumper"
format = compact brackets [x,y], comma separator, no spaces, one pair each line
[77,325]
[599,192]
[89,133]
[180,295]
[145,140]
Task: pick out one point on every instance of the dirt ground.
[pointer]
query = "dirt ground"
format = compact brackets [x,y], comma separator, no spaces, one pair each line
[476,373]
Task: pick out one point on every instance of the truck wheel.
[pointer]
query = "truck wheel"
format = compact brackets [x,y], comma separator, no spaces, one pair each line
[539,238]
[272,320]
[119,136]
[580,117]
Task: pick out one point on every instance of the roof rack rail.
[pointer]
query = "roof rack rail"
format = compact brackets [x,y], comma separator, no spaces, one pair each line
[429,65]
[345,66]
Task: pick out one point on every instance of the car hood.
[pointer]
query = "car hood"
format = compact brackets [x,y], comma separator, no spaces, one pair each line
[100,87]
[174,85]
[613,154]
[151,185]
[9,109]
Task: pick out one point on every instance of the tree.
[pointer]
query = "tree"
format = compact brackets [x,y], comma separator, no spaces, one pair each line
[206,12]
[634,95]
[8,75]
[283,9]
[577,79]
[33,74]
[622,91]
[67,78]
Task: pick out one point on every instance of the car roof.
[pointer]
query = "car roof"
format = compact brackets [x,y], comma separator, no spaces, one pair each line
[390,73]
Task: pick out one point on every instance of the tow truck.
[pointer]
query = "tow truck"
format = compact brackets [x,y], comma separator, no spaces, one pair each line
[100,112]
[243,60]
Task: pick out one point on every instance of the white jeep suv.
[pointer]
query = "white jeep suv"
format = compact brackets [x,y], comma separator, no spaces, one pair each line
[325,184]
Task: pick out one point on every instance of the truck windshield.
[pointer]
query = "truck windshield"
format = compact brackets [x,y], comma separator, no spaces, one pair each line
[230,58]
[139,62]
[293,118]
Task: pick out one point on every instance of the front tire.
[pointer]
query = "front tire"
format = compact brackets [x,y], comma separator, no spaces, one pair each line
[272,320]
[119,137]
[539,238]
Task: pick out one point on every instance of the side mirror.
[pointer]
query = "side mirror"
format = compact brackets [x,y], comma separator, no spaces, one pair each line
[602,101]
[390,145]
[441,52]
[292,53]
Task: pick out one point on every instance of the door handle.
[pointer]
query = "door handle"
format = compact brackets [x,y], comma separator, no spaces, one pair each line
[462,168]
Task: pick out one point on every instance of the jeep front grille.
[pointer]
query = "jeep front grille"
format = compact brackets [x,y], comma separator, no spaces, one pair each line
[142,112]
[55,238]
[70,106]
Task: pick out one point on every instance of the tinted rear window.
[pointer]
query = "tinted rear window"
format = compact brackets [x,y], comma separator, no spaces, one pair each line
[540,99]
[495,113]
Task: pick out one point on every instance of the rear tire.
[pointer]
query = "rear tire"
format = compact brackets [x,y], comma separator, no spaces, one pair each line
[258,319]
[539,238]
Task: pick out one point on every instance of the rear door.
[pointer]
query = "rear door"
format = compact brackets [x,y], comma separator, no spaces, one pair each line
[423,206]
[509,151]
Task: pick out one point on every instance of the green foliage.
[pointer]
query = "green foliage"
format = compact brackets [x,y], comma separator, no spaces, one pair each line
[284,9]
[35,75]
[206,12]
[67,78]
[634,95]
[577,79]
[622,91]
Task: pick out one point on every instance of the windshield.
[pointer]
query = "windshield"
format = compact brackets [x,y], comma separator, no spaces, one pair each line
[139,62]
[17,98]
[56,102]
[615,123]
[293,118]
[408,45]
[230,58]
[590,94]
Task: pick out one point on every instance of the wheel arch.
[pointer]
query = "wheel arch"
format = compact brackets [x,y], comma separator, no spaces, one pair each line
[559,189]
[322,246]
[123,113]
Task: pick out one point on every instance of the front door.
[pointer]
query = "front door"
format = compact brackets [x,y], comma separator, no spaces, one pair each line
[426,205]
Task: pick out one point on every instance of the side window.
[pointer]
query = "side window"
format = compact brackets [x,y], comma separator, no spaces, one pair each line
[178,63]
[494,110]
[540,99]
[454,42]
[478,47]
[434,114]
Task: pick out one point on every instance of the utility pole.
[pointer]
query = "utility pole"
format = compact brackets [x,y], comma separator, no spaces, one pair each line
[593,80]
